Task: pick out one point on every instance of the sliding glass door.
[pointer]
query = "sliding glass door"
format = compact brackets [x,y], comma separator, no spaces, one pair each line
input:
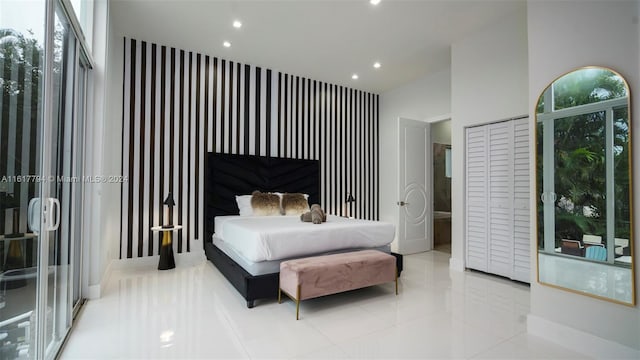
[56,313]
[76,188]
[22,63]
[43,77]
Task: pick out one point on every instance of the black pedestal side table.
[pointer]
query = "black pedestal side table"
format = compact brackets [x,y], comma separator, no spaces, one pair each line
[166,250]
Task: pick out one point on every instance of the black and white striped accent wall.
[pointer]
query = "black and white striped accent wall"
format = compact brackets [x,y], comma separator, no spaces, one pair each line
[178,105]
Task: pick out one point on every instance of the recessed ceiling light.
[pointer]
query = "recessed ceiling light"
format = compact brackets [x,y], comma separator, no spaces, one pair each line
[354,76]
[374,2]
[376,65]
[237,24]
[226,44]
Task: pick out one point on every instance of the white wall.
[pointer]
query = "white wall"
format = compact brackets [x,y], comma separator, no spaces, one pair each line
[113,144]
[488,83]
[103,153]
[422,99]
[441,132]
[563,36]
[96,258]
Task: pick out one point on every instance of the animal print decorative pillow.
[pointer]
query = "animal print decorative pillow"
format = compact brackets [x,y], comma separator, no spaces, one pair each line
[294,204]
[265,204]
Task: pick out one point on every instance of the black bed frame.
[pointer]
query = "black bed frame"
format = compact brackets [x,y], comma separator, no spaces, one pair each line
[227,175]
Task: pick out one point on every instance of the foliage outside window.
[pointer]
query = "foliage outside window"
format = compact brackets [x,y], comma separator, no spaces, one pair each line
[580,155]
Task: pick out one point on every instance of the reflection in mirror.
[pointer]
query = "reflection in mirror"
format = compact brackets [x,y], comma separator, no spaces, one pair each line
[583,168]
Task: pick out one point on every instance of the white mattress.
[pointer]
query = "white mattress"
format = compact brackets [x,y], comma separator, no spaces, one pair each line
[266,238]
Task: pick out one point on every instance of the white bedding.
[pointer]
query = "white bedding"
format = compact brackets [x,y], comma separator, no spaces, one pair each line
[263,238]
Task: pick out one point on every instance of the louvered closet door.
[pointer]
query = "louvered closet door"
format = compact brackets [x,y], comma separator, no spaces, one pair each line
[476,198]
[521,236]
[500,225]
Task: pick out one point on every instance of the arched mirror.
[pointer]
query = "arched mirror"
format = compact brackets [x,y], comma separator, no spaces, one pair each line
[583,178]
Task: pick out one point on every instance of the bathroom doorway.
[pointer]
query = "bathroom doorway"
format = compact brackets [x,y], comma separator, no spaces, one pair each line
[441,145]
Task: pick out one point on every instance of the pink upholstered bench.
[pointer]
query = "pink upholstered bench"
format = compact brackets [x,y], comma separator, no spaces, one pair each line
[312,277]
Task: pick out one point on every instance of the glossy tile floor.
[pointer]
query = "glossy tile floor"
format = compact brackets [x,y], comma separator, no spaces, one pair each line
[193,312]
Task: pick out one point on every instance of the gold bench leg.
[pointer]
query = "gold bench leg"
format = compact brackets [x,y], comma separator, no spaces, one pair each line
[298,303]
[279,295]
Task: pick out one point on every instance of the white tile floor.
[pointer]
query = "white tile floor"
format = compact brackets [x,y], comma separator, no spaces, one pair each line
[193,312]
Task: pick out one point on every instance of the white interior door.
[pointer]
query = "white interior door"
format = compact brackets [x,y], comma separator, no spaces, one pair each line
[414,203]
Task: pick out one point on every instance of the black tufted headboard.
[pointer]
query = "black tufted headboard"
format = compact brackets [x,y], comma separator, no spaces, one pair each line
[228,175]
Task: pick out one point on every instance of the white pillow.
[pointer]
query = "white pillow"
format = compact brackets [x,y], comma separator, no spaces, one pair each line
[244,204]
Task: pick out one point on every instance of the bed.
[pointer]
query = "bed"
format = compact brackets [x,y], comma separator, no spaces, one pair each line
[252,273]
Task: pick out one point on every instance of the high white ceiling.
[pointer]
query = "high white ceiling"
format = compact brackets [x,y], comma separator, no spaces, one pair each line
[324,40]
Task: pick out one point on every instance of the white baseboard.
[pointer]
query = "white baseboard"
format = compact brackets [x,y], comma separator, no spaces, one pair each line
[579,341]
[151,262]
[96,291]
[456,264]
[183,259]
